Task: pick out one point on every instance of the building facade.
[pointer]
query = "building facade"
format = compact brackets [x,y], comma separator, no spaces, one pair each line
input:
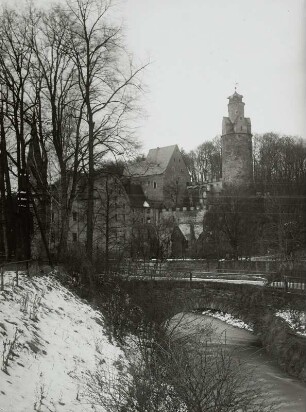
[163,176]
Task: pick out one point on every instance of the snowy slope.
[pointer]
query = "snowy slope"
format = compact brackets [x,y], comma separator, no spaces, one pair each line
[59,338]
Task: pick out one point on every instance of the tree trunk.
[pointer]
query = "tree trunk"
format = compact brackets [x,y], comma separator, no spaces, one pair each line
[64,218]
[3,205]
[107,228]
[90,195]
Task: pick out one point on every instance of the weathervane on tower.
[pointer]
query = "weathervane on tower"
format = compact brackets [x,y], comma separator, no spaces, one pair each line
[236,85]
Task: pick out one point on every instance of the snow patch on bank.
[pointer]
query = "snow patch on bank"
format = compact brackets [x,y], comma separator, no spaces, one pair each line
[295,319]
[49,340]
[229,319]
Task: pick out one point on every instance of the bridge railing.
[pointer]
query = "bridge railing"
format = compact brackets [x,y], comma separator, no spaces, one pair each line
[272,279]
[181,273]
[289,284]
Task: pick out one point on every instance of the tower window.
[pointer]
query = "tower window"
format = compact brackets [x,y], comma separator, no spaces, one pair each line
[74,237]
[74,216]
[154,185]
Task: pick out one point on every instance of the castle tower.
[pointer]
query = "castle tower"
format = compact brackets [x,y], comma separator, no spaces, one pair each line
[236,141]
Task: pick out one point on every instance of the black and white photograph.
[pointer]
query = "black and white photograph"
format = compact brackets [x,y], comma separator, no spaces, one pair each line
[152,205]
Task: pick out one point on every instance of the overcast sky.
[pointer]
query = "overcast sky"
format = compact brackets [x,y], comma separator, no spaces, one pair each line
[198,49]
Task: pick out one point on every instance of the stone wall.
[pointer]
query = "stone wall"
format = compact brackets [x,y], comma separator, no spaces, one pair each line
[237,162]
[152,186]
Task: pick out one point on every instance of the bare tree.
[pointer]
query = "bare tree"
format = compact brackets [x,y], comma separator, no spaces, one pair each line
[110,221]
[206,161]
[59,100]
[6,209]
[15,69]
[107,85]
[280,178]
[234,218]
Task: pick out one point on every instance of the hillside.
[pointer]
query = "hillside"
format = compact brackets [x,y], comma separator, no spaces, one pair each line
[50,344]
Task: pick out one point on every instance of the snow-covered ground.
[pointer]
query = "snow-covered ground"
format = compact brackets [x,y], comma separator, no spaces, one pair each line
[237,281]
[228,318]
[258,282]
[295,319]
[49,340]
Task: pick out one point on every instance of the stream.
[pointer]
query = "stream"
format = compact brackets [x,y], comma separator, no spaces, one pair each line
[286,393]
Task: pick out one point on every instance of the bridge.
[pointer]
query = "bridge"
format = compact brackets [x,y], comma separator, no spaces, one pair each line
[255,305]
[208,272]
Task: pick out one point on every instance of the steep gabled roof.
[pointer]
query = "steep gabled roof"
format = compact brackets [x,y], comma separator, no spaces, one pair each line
[161,156]
[135,195]
[156,162]
[191,231]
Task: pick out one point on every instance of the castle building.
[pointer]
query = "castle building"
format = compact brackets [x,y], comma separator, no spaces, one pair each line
[154,201]
[163,176]
[236,144]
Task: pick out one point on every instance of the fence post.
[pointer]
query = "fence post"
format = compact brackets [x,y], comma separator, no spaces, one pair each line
[286,283]
[17,276]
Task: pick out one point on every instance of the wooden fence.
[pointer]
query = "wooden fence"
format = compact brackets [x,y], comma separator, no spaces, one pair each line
[19,267]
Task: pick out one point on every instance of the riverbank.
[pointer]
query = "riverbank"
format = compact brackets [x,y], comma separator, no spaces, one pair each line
[280,338]
[284,392]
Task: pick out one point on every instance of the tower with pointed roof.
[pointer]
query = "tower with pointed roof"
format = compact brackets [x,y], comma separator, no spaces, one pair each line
[236,141]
